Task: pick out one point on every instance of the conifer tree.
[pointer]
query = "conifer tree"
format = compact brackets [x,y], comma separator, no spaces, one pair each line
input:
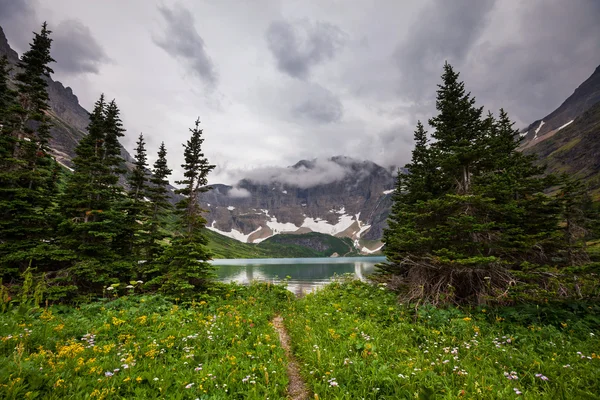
[186,260]
[458,132]
[579,218]
[417,185]
[94,219]
[159,203]
[482,213]
[7,95]
[26,196]
[32,87]
[136,206]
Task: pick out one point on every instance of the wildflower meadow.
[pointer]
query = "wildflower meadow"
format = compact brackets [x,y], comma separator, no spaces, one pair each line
[351,340]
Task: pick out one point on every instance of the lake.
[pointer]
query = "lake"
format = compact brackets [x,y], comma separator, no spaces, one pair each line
[305,274]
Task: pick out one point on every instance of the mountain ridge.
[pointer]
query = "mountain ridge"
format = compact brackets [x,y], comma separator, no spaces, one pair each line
[585,96]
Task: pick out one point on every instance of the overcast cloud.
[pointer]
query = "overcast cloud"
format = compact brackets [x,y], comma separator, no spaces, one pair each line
[277,81]
[301,45]
[181,40]
[75,50]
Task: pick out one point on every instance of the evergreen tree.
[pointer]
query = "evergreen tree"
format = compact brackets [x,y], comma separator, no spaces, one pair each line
[94,220]
[579,218]
[417,185]
[32,87]
[7,95]
[136,206]
[159,203]
[458,132]
[186,259]
[471,208]
[27,189]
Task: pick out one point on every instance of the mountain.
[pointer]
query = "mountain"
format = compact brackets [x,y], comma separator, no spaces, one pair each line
[568,139]
[584,97]
[355,205]
[575,150]
[69,119]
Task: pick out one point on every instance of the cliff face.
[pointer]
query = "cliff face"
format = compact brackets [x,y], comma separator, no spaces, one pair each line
[69,118]
[355,206]
[584,97]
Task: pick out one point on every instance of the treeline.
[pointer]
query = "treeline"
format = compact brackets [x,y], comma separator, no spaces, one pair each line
[66,237]
[475,217]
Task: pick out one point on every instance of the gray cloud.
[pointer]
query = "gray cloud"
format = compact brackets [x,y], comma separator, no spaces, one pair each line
[297,47]
[319,106]
[445,30]
[75,50]
[18,19]
[182,41]
[305,175]
[237,193]
[556,50]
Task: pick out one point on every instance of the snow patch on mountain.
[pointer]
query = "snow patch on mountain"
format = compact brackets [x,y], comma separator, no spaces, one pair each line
[388,191]
[281,227]
[231,208]
[565,125]
[234,234]
[322,226]
[538,129]
[365,250]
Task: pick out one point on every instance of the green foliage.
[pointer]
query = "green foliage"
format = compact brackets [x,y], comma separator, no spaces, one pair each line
[27,171]
[160,206]
[472,207]
[184,263]
[136,207]
[145,347]
[279,246]
[95,225]
[352,340]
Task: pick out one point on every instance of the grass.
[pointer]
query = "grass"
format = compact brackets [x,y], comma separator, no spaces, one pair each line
[280,246]
[352,340]
[147,348]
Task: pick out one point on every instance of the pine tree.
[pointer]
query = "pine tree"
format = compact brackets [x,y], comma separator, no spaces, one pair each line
[136,206]
[186,259]
[32,87]
[159,203]
[417,185]
[458,132]
[26,196]
[7,95]
[471,208]
[579,218]
[94,219]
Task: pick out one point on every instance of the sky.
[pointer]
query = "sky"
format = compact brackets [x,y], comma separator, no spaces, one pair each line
[274,82]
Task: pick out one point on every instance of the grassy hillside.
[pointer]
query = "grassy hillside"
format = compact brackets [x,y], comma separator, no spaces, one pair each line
[574,150]
[317,243]
[279,246]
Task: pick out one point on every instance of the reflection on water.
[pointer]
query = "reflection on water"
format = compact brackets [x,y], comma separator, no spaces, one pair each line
[305,274]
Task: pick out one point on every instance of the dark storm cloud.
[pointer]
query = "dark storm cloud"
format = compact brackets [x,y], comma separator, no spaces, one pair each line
[319,106]
[75,50]
[182,41]
[18,19]
[557,49]
[297,47]
[445,30]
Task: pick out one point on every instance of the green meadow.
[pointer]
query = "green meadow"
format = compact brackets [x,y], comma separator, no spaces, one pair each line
[351,340]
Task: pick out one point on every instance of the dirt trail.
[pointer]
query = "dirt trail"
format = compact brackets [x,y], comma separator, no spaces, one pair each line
[297,388]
